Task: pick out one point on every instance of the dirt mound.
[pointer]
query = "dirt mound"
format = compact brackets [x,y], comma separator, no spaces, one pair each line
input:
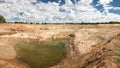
[103,55]
[86,38]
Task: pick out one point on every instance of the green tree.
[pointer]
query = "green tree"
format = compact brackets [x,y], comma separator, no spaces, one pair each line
[2,19]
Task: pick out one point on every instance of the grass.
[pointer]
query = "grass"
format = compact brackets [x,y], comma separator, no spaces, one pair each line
[117,55]
[41,55]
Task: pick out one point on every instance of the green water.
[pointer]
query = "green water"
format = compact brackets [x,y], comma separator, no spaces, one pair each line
[41,55]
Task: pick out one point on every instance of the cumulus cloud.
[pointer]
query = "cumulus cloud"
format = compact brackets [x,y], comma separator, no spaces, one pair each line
[86,2]
[104,2]
[51,12]
[116,8]
[106,5]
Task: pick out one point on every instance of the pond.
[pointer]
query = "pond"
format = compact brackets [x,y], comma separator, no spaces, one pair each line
[41,55]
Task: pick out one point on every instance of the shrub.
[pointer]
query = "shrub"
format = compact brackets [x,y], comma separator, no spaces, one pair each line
[2,19]
[19,22]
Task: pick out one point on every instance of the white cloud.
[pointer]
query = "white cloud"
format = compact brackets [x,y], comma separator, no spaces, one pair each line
[116,8]
[86,2]
[106,5]
[104,2]
[10,1]
[42,12]
[68,2]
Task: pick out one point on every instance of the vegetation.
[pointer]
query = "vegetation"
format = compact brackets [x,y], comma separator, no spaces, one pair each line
[113,22]
[117,54]
[2,19]
[19,22]
[41,55]
[88,23]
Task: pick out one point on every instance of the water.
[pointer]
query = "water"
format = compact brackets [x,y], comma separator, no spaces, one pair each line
[41,55]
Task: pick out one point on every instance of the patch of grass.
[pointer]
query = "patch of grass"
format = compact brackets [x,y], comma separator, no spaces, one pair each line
[41,55]
[117,55]
[44,28]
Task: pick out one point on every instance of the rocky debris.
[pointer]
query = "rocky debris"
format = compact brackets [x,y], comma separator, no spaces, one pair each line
[72,35]
[102,55]
[73,50]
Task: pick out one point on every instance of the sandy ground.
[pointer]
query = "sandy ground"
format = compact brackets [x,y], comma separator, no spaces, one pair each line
[86,36]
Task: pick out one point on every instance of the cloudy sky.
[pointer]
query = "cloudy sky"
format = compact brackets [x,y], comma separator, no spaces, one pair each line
[60,11]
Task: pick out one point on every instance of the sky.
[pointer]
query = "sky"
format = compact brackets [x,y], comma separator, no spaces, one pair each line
[60,11]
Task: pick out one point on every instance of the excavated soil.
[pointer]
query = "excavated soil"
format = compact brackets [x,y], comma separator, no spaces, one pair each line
[89,46]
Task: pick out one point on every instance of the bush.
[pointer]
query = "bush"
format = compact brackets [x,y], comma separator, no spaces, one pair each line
[2,19]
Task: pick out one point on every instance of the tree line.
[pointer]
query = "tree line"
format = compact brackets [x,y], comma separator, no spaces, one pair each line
[3,20]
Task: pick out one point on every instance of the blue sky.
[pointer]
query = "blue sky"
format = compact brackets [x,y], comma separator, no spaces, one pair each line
[115,3]
[55,11]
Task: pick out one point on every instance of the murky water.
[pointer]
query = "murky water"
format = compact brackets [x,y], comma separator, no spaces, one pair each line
[41,55]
